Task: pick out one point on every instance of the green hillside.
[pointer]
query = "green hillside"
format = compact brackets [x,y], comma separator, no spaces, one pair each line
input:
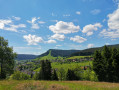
[50,57]
[90,51]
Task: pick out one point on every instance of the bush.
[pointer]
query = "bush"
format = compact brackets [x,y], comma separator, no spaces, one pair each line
[19,76]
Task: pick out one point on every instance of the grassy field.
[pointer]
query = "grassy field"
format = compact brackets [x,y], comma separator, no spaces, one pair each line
[70,65]
[57,85]
[77,57]
[67,66]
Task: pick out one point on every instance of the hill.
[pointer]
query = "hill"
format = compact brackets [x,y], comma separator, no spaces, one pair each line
[90,51]
[58,52]
[25,56]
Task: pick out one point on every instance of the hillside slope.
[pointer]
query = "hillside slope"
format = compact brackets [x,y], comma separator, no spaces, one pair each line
[90,51]
[58,52]
[25,56]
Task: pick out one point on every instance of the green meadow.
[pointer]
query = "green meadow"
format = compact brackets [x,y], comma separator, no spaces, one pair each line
[56,85]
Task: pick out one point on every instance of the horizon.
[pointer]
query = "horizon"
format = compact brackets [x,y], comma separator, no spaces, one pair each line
[33,27]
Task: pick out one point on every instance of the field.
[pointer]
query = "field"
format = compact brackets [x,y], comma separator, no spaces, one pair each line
[57,85]
[70,65]
[77,57]
[67,66]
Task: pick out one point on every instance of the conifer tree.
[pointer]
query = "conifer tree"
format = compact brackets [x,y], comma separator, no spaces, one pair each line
[54,75]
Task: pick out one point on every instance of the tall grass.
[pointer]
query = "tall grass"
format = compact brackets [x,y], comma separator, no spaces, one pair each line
[56,85]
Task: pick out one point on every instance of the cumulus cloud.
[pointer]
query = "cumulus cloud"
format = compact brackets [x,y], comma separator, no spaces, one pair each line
[78,39]
[113,26]
[113,34]
[34,23]
[64,27]
[58,37]
[9,25]
[78,12]
[32,39]
[90,45]
[95,11]
[88,29]
[51,41]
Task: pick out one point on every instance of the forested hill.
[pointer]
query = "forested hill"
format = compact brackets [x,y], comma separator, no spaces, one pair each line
[90,51]
[58,52]
[25,57]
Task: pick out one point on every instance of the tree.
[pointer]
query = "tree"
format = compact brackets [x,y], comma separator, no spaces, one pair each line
[54,75]
[106,64]
[6,59]
[45,71]
[71,75]
[61,74]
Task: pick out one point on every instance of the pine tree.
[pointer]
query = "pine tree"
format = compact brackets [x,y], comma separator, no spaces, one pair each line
[42,71]
[45,71]
[54,75]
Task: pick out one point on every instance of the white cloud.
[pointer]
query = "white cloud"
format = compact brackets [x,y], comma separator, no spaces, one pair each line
[113,26]
[78,12]
[110,34]
[32,39]
[8,25]
[90,45]
[34,23]
[51,41]
[41,22]
[95,11]
[88,29]
[113,21]
[58,37]
[16,18]
[78,39]
[64,27]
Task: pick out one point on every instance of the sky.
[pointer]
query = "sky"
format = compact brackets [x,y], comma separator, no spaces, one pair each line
[35,26]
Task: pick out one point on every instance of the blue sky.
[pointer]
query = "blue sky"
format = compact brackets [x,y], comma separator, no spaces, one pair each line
[34,26]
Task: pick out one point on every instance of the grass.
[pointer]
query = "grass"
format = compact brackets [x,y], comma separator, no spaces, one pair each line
[70,65]
[77,57]
[66,66]
[56,85]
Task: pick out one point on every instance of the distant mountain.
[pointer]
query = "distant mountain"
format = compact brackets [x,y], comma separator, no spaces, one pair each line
[58,52]
[25,57]
[91,51]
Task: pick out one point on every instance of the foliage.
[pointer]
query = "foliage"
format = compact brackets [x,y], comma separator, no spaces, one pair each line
[45,71]
[106,64]
[71,75]
[61,74]
[19,76]
[6,59]
[54,75]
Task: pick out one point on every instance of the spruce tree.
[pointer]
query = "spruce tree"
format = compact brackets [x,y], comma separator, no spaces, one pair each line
[54,75]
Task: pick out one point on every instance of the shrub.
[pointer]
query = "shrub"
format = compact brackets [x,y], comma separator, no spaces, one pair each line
[19,76]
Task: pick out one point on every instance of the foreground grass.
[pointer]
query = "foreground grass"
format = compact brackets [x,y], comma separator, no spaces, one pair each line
[56,85]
